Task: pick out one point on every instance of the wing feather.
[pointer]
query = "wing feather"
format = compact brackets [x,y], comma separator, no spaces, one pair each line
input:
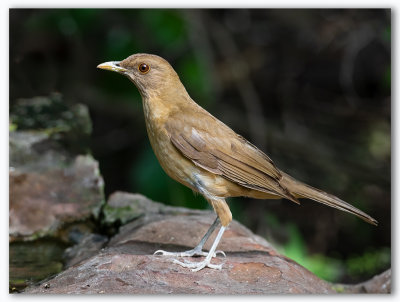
[231,156]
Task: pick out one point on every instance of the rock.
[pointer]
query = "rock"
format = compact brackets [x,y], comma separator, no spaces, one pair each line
[68,125]
[50,184]
[56,190]
[87,246]
[123,207]
[32,150]
[127,263]
[41,203]
[380,284]
[33,261]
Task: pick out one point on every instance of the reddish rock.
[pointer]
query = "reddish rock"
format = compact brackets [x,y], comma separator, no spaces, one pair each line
[379,284]
[54,193]
[127,264]
[42,202]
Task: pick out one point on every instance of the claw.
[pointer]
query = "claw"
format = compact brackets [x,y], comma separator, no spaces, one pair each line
[219,252]
[196,266]
[163,253]
[191,253]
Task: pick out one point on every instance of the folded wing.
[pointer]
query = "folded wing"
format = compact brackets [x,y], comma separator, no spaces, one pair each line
[213,146]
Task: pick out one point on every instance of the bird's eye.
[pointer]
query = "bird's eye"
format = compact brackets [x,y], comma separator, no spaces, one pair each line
[144,68]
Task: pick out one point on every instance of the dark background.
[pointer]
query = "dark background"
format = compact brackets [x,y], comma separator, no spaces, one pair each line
[311,88]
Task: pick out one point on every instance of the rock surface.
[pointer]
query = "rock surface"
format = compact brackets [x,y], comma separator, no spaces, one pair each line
[52,181]
[379,284]
[41,203]
[127,263]
[56,190]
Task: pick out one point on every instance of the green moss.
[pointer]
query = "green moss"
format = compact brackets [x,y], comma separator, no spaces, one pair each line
[338,288]
[121,214]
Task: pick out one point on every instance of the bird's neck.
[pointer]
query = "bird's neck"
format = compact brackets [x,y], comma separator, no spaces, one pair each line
[159,105]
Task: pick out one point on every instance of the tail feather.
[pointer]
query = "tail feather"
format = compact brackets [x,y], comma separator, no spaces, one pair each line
[302,190]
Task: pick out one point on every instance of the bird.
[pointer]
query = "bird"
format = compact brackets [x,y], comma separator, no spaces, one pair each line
[201,152]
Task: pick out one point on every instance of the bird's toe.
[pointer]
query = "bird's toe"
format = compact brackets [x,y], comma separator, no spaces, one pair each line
[163,253]
[196,266]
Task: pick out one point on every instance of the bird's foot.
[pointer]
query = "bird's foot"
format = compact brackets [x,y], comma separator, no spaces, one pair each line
[191,253]
[196,266]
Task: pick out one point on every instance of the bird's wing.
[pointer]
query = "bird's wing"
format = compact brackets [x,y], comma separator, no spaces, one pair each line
[213,146]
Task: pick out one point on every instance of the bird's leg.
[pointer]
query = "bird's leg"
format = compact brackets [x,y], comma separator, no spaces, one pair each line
[225,216]
[196,266]
[198,250]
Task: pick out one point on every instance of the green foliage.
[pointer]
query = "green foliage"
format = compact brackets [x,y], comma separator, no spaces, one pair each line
[85,18]
[379,140]
[12,127]
[119,43]
[68,22]
[167,27]
[324,267]
[369,262]
[387,35]
[196,79]
[331,269]
[387,79]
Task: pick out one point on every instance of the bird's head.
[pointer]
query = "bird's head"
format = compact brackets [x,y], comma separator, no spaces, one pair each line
[150,73]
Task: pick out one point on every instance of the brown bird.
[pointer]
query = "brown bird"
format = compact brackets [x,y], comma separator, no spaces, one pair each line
[204,154]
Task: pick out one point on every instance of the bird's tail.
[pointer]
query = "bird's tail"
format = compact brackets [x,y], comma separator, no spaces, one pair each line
[303,190]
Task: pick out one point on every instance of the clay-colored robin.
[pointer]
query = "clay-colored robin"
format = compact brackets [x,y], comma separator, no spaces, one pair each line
[202,153]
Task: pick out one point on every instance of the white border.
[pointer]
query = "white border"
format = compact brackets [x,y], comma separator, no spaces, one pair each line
[4,88]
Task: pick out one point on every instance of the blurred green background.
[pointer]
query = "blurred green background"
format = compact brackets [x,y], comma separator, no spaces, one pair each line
[311,88]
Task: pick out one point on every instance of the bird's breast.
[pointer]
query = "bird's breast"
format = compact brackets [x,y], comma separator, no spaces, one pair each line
[171,160]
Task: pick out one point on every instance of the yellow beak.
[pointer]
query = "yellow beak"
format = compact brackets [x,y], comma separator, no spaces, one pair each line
[113,66]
